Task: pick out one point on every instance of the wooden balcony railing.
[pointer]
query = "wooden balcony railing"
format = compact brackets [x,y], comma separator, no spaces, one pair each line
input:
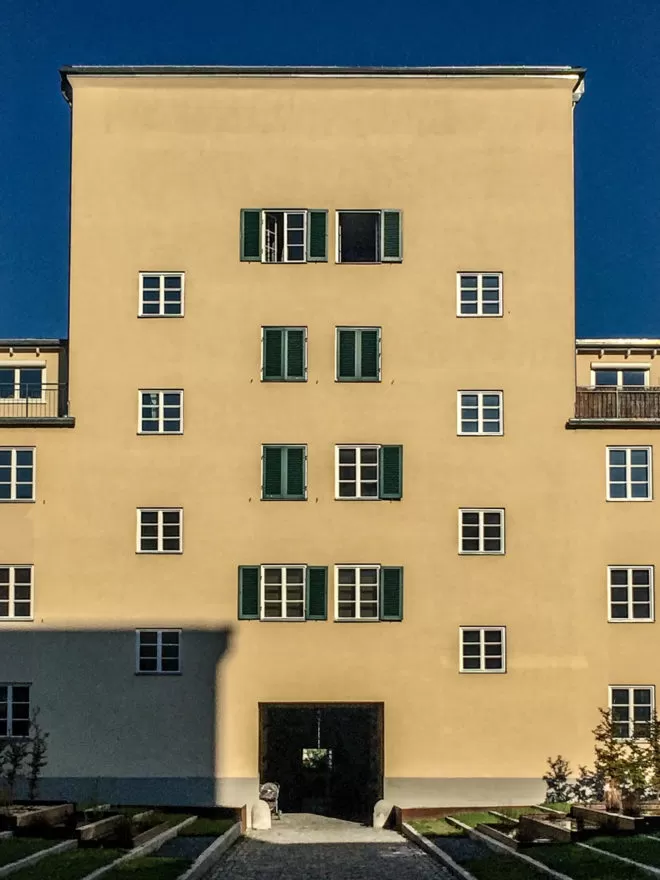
[617,403]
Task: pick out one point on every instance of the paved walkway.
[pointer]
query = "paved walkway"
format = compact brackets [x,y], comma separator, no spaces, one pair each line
[307,847]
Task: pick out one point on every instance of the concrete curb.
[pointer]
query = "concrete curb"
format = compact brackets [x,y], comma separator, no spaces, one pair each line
[640,865]
[206,860]
[144,850]
[37,857]
[435,851]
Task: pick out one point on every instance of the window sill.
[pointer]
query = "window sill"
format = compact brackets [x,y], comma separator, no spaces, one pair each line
[159,552]
[149,317]
[163,674]
[159,433]
[481,553]
[631,619]
[284,499]
[482,671]
[480,434]
[362,620]
[629,500]
[283,381]
[282,620]
[358,381]
[480,316]
[368,263]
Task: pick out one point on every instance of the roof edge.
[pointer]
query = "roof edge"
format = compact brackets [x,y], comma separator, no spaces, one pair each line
[18,342]
[617,342]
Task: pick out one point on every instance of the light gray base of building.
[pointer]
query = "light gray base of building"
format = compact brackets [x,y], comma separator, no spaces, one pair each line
[463,792]
[178,791]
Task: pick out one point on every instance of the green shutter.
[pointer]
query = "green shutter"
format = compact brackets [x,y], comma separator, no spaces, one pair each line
[272,472]
[250,234]
[346,354]
[317,593]
[391,593]
[295,472]
[369,354]
[248,592]
[317,236]
[391,471]
[391,234]
[295,354]
[272,356]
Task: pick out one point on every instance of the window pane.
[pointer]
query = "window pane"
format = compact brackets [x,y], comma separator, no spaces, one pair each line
[619,696]
[641,576]
[346,576]
[346,456]
[633,377]
[619,576]
[605,377]
[638,456]
[24,457]
[617,456]
[369,456]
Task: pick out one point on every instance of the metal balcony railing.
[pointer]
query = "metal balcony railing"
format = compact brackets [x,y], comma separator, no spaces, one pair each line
[33,401]
[607,402]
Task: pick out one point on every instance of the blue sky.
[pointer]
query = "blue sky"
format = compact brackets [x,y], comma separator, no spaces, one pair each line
[617,122]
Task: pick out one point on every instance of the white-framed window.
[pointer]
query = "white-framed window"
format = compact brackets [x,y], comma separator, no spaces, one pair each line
[480,413]
[479,294]
[283,592]
[630,593]
[357,472]
[631,708]
[482,649]
[161,294]
[357,592]
[14,710]
[16,585]
[160,411]
[160,530]
[17,467]
[22,381]
[481,530]
[629,476]
[284,236]
[616,376]
[158,651]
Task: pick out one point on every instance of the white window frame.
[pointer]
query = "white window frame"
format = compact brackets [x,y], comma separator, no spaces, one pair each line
[264,243]
[160,511]
[357,568]
[283,598]
[358,471]
[481,524]
[10,712]
[159,651]
[11,593]
[480,302]
[17,366]
[480,414]
[14,466]
[631,705]
[628,449]
[630,587]
[619,369]
[482,649]
[161,299]
[161,407]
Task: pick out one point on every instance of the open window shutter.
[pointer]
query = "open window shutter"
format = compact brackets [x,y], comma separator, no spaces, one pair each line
[391,471]
[317,593]
[369,354]
[295,472]
[295,354]
[250,234]
[346,354]
[391,232]
[272,368]
[391,593]
[248,592]
[317,236]
[272,472]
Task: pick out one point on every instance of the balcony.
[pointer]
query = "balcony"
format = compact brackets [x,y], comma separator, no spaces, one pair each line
[41,405]
[597,407]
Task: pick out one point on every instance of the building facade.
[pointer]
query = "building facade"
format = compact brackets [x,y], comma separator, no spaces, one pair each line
[325,507]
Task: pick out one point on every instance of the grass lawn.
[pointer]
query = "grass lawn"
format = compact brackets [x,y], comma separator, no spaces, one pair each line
[637,848]
[210,828]
[13,849]
[502,867]
[68,866]
[584,864]
[149,868]
[435,827]
[516,812]
[563,808]
[170,818]
[474,819]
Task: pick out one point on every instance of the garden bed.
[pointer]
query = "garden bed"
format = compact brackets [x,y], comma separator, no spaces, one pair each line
[68,866]
[14,849]
[23,816]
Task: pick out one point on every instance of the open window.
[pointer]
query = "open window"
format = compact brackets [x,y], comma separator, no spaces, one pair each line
[369,236]
[284,236]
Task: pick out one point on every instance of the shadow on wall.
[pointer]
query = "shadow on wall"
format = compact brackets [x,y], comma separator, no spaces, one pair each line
[115,735]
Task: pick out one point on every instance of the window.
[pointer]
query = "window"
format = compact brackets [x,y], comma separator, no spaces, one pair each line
[479,294]
[358,354]
[17,474]
[632,710]
[613,376]
[161,412]
[283,473]
[368,592]
[630,593]
[283,354]
[15,592]
[369,472]
[369,237]
[481,531]
[274,235]
[282,592]
[480,412]
[159,651]
[160,530]
[14,710]
[483,649]
[20,382]
[161,294]
[629,473]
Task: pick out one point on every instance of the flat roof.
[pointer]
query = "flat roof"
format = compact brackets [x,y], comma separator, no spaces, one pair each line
[618,342]
[17,342]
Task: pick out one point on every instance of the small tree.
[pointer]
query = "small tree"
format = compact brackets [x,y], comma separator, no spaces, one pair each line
[13,756]
[589,786]
[37,759]
[556,779]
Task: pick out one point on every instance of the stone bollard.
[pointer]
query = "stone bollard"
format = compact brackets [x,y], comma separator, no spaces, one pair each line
[260,816]
[382,812]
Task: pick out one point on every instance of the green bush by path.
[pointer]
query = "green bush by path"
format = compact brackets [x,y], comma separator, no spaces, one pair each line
[207,828]
[69,866]
[149,868]
[435,827]
[16,848]
[584,864]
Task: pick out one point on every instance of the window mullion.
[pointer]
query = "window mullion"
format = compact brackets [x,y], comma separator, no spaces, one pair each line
[284,348]
[358,354]
[482,532]
[482,649]
[284,464]
[161,530]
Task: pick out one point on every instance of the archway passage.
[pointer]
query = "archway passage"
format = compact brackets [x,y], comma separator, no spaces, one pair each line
[326,757]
